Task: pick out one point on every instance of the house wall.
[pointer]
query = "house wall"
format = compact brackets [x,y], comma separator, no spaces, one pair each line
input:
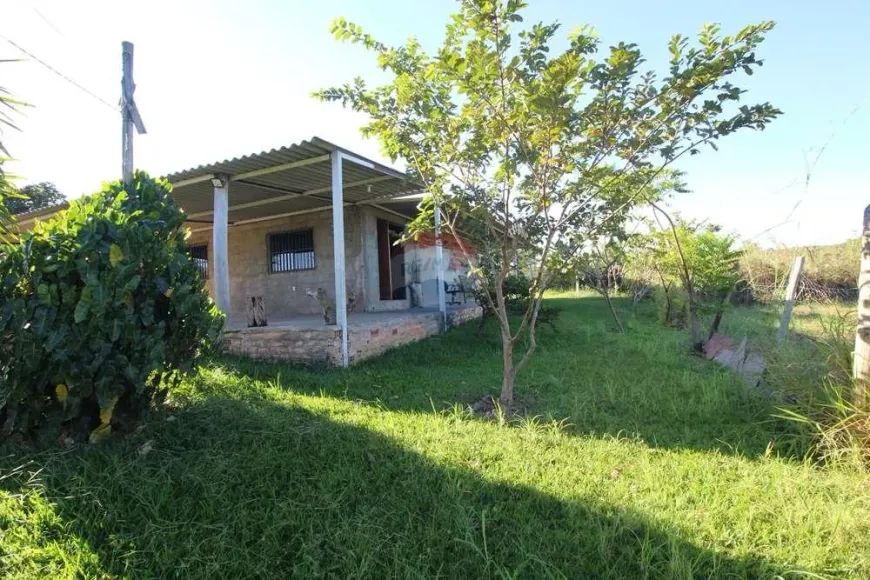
[455,270]
[455,266]
[369,341]
[284,292]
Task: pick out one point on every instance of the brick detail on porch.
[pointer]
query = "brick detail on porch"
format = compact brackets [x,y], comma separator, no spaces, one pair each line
[322,346]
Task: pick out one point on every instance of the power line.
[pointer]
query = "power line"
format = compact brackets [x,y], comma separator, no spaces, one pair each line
[61,75]
[47,21]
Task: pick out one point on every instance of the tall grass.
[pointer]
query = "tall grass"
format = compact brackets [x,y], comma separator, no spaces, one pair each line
[830,272]
[837,425]
[810,376]
[839,429]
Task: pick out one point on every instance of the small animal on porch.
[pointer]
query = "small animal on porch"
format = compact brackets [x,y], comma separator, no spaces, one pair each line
[257,312]
[351,301]
[325,304]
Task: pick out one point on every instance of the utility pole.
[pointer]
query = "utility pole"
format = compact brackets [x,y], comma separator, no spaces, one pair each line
[129,113]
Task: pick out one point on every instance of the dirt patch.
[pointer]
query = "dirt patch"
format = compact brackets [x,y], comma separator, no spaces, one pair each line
[490,408]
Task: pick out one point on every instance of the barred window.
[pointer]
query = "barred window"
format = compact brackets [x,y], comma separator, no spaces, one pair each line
[199,255]
[291,251]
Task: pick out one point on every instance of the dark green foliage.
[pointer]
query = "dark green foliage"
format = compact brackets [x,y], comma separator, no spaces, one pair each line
[671,306]
[35,196]
[7,230]
[101,311]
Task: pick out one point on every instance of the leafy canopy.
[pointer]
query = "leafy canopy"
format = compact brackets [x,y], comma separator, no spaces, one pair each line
[101,311]
[710,258]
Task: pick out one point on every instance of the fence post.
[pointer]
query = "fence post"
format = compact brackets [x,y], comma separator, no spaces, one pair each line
[793,280]
[861,359]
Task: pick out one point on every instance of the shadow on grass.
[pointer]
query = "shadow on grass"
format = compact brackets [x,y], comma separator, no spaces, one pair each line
[247,487]
[643,382]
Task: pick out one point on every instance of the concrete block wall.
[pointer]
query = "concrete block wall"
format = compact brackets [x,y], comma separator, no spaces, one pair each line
[284,292]
[457,317]
[317,347]
[323,346]
[366,343]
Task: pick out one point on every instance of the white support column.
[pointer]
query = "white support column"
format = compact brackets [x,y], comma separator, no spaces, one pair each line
[338,253]
[439,268]
[220,251]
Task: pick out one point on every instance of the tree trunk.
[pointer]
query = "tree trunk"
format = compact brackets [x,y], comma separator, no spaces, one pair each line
[612,309]
[695,325]
[507,385]
[667,290]
[717,319]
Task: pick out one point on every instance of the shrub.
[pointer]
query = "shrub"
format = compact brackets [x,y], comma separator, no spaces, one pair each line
[710,258]
[671,306]
[701,262]
[101,312]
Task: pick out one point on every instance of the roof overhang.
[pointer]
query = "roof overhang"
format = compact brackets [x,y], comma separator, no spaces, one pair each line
[287,181]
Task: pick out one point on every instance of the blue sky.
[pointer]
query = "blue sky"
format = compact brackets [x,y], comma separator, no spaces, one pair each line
[225,78]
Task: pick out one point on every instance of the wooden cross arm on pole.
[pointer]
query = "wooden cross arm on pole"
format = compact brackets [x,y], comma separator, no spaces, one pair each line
[135,117]
[128,104]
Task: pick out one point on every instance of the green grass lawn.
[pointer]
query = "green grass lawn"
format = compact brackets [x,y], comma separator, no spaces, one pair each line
[634,460]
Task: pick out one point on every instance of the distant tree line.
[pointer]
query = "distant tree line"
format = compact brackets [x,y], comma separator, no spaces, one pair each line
[33,197]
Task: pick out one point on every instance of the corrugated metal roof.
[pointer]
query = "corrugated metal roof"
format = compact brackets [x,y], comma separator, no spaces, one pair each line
[43,211]
[293,178]
[315,147]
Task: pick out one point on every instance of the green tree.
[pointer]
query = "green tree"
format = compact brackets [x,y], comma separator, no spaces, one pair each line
[533,144]
[704,262]
[35,196]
